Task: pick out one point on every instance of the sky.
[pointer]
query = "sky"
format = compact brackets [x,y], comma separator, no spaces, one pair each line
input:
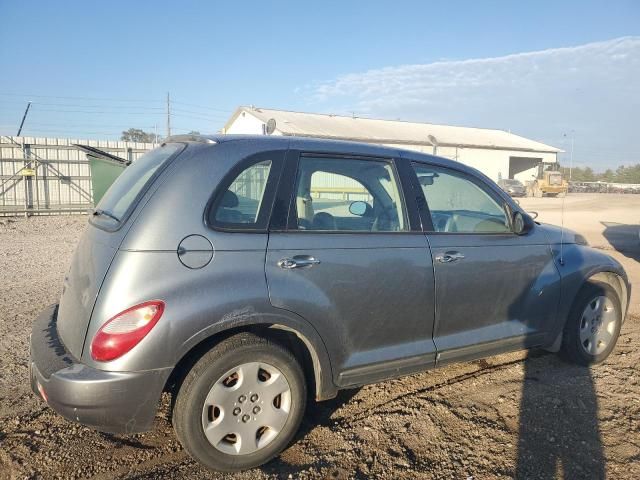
[551,71]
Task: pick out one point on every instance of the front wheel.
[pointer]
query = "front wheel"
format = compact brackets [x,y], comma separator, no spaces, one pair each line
[593,326]
[241,403]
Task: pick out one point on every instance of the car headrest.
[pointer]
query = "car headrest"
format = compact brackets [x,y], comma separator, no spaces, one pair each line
[229,200]
[323,221]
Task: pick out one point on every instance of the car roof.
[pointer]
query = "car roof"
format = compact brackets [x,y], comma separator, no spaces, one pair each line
[320,145]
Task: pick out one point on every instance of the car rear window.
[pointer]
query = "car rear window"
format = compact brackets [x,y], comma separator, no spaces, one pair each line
[129,186]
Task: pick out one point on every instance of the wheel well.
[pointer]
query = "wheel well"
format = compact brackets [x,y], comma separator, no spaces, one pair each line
[276,333]
[616,282]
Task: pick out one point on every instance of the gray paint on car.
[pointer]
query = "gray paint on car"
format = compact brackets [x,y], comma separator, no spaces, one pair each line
[375,307]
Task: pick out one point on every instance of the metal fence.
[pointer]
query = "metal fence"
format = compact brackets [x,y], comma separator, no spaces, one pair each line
[43,176]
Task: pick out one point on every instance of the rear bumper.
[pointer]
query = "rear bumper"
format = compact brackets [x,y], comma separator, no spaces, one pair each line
[117,402]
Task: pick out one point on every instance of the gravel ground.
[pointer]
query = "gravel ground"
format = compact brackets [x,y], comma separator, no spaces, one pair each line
[525,415]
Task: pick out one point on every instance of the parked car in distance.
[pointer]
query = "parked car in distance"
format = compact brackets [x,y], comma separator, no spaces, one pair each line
[513,187]
[244,274]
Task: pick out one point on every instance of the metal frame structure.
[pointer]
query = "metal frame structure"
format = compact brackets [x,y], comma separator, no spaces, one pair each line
[42,176]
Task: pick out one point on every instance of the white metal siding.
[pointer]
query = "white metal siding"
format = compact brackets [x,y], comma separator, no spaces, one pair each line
[53,158]
[493,162]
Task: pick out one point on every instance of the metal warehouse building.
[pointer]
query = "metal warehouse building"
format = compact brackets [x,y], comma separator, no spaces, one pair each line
[496,153]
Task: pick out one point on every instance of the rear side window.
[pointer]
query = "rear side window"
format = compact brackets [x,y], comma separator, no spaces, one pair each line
[241,202]
[244,199]
[131,184]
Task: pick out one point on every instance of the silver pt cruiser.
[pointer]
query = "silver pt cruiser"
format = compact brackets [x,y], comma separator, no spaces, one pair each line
[243,274]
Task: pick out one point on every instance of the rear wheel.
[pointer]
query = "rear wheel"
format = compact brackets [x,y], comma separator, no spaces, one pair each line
[593,326]
[241,403]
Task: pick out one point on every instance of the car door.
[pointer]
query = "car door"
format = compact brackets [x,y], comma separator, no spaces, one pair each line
[495,290]
[350,258]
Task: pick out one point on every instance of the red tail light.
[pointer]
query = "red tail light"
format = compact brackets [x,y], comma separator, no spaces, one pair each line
[124,331]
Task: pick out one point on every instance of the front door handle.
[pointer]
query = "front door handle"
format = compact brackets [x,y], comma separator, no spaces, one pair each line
[298,261]
[449,257]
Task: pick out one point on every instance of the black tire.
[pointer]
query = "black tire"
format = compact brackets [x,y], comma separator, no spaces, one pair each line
[572,349]
[230,353]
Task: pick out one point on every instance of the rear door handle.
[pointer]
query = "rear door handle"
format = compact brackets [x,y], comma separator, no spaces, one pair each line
[298,261]
[449,257]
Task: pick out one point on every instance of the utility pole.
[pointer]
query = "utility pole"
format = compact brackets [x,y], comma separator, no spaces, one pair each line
[24,117]
[573,137]
[168,115]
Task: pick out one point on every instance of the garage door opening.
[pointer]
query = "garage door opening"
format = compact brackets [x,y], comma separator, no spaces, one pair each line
[523,168]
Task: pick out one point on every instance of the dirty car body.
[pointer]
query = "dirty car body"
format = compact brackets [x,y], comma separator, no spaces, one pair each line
[383,278]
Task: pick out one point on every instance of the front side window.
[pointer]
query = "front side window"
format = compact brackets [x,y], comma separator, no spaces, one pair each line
[458,205]
[241,202]
[341,194]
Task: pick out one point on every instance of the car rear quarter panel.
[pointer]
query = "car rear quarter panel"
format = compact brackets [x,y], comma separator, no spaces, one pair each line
[89,264]
[228,292]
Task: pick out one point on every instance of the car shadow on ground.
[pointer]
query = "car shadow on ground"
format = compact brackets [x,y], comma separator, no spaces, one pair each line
[559,435]
[624,238]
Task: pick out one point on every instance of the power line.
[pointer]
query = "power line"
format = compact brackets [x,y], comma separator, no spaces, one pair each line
[30,132]
[206,119]
[117,109]
[83,105]
[201,114]
[203,107]
[97,111]
[44,124]
[168,115]
[157,102]
[155,110]
[80,98]
[49,129]
[193,115]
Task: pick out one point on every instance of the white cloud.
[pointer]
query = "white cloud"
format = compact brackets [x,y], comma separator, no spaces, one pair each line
[593,89]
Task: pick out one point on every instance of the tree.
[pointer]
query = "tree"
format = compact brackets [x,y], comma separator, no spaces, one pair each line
[194,132]
[607,176]
[137,135]
[629,174]
[622,174]
[580,174]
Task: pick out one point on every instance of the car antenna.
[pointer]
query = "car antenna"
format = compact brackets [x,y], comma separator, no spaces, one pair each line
[562,228]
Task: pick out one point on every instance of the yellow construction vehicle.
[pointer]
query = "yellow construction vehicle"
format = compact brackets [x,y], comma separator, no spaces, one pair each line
[549,181]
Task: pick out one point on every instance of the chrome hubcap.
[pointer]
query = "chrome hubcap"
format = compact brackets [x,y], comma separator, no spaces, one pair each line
[246,408]
[597,325]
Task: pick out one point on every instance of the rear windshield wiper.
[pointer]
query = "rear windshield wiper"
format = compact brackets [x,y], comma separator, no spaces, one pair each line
[99,211]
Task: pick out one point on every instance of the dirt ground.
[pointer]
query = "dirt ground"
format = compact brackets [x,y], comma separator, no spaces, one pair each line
[525,415]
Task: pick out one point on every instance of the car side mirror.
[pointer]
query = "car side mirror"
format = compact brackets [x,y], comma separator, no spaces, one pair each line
[522,224]
[358,208]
